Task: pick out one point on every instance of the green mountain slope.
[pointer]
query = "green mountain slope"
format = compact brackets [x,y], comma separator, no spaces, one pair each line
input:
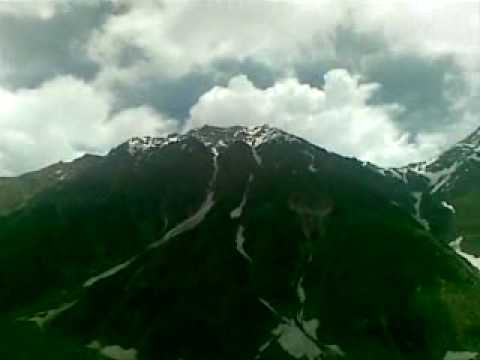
[453,179]
[238,243]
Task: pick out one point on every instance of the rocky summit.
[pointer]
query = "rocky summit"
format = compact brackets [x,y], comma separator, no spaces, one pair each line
[241,243]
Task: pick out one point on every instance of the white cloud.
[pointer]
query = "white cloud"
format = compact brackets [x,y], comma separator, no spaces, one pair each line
[338,117]
[67,117]
[37,9]
[177,36]
[63,119]
[40,9]
[429,27]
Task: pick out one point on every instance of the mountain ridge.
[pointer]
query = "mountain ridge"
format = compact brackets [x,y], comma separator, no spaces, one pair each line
[168,245]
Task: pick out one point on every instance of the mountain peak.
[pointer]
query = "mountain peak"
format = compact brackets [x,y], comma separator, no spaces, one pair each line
[444,171]
[191,227]
[251,135]
[472,140]
[214,136]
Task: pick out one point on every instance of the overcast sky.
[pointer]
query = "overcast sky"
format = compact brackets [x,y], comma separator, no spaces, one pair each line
[391,82]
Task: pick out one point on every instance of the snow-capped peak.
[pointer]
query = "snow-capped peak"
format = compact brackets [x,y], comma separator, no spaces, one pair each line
[213,136]
[145,143]
[253,136]
[443,172]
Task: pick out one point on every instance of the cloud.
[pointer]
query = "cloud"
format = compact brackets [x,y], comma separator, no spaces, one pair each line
[421,84]
[410,48]
[34,49]
[337,117]
[63,119]
[430,27]
[177,37]
[66,117]
[42,10]
[174,97]
[168,60]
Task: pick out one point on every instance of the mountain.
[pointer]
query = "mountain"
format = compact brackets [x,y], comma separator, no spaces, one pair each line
[16,192]
[232,243]
[452,180]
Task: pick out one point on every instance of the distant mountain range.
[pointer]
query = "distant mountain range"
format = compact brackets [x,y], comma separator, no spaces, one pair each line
[241,243]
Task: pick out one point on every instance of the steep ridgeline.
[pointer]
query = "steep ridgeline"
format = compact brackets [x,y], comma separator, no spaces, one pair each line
[235,243]
[15,192]
[453,181]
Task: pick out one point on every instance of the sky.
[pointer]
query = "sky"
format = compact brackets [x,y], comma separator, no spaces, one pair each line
[391,82]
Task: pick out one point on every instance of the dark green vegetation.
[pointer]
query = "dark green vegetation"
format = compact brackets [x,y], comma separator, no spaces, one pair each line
[22,341]
[17,192]
[326,238]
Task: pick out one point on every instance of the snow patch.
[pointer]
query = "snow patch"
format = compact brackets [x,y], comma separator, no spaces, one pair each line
[301,294]
[472,259]
[448,206]
[441,178]
[311,166]
[211,136]
[296,343]
[335,350]
[141,144]
[189,223]
[215,167]
[418,201]
[264,347]
[258,135]
[461,355]
[239,243]
[379,170]
[298,338]
[270,307]
[114,352]
[194,220]
[437,179]
[399,174]
[238,211]
[60,175]
[110,272]
[256,156]
[44,317]
[474,157]
[253,136]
